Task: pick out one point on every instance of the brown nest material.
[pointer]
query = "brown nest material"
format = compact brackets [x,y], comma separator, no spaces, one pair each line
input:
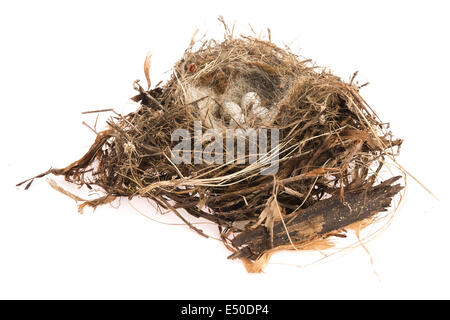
[331,148]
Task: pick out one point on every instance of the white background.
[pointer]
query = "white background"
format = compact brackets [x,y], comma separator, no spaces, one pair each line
[59,59]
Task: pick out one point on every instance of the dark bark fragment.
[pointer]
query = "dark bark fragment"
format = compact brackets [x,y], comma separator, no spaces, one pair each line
[320,219]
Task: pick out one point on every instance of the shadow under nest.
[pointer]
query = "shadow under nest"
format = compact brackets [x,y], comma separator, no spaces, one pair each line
[331,149]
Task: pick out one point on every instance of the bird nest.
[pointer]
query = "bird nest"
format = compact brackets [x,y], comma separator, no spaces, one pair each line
[312,173]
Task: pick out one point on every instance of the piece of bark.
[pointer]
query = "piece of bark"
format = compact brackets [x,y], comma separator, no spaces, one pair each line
[320,219]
